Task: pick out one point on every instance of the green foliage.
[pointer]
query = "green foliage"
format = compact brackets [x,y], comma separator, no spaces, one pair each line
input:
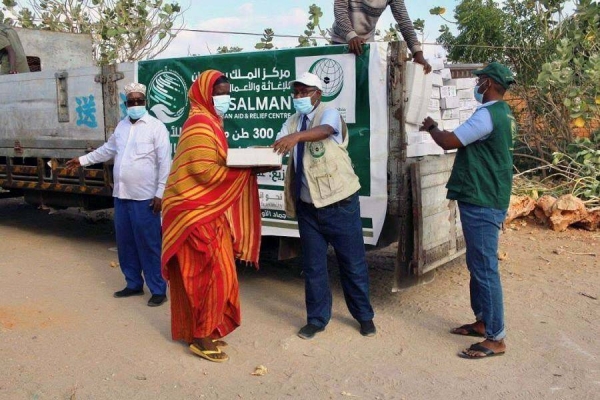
[437,11]
[480,24]
[314,16]
[266,42]
[581,163]
[556,60]
[307,39]
[419,25]
[574,68]
[122,30]
[392,34]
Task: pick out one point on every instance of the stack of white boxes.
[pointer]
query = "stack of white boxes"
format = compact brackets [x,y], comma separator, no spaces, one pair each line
[418,90]
[451,103]
[455,98]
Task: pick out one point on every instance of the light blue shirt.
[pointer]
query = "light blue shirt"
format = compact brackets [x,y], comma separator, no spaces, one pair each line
[478,127]
[330,117]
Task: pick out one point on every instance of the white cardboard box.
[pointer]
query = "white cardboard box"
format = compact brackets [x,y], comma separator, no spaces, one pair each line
[436,63]
[462,83]
[465,94]
[451,113]
[418,138]
[435,93]
[435,115]
[449,102]
[450,124]
[434,104]
[253,157]
[423,149]
[446,74]
[418,91]
[468,104]
[447,91]
[412,127]
[436,80]
[421,144]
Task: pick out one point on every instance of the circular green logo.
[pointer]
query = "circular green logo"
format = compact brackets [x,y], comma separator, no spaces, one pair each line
[167,96]
[317,149]
[331,74]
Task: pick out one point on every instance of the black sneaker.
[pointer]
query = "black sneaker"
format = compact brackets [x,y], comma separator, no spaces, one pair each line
[156,300]
[308,331]
[367,328]
[128,292]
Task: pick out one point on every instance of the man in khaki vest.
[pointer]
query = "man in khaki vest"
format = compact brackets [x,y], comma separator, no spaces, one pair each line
[12,56]
[321,191]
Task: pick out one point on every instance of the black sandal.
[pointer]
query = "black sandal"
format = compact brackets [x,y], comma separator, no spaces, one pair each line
[467,328]
[478,347]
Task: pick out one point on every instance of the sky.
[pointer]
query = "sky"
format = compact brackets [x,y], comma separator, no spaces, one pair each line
[283,16]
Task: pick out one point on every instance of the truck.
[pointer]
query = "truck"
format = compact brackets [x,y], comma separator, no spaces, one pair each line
[67,109]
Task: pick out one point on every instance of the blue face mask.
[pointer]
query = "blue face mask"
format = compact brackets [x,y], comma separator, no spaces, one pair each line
[303,105]
[221,103]
[136,112]
[478,96]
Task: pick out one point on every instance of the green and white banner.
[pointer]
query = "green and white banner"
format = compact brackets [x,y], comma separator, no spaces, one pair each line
[261,101]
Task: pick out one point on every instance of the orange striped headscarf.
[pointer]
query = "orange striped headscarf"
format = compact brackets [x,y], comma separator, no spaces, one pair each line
[201,188]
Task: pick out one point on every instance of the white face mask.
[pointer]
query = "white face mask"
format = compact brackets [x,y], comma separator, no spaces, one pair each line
[221,103]
[304,105]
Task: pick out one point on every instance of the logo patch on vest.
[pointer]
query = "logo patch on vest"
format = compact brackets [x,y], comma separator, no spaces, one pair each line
[317,149]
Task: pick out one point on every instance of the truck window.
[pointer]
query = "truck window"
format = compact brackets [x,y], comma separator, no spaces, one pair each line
[35,64]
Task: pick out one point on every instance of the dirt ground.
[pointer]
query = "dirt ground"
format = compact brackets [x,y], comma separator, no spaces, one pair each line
[63,335]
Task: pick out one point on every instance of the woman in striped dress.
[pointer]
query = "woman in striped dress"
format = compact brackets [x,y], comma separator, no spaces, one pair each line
[211,217]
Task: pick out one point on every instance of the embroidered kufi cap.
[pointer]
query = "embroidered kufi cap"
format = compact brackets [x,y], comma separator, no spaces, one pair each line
[135,87]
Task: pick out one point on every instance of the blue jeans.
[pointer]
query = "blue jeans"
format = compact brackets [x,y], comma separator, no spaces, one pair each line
[139,244]
[481,227]
[340,226]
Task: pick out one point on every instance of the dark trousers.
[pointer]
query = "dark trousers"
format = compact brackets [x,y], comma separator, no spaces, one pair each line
[340,226]
[139,244]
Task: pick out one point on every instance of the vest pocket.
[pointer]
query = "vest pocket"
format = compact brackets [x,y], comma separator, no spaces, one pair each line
[324,174]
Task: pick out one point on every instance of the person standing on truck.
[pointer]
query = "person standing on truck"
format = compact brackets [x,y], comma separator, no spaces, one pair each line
[12,56]
[355,22]
[321,190]
[141,149]
[481,182]
[211,218]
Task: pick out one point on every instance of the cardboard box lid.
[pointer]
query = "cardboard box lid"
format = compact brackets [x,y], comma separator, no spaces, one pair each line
[253,157]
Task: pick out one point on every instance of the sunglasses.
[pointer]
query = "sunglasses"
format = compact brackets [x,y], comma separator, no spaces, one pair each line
[135,102]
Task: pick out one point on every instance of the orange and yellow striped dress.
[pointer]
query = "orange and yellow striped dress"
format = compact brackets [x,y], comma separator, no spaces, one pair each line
[211,216]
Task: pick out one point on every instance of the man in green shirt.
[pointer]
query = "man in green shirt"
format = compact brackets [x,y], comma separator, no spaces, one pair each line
[481,182]
[12,56]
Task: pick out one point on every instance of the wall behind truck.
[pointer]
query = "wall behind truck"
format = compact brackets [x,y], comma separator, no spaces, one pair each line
[57,49]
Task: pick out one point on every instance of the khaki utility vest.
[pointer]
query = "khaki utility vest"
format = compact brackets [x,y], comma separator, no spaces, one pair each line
[327,167]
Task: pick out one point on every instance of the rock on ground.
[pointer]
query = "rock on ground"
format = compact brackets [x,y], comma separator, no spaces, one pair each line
[566,211]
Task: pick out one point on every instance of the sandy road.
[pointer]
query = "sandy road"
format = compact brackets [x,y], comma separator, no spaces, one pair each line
[63,335]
